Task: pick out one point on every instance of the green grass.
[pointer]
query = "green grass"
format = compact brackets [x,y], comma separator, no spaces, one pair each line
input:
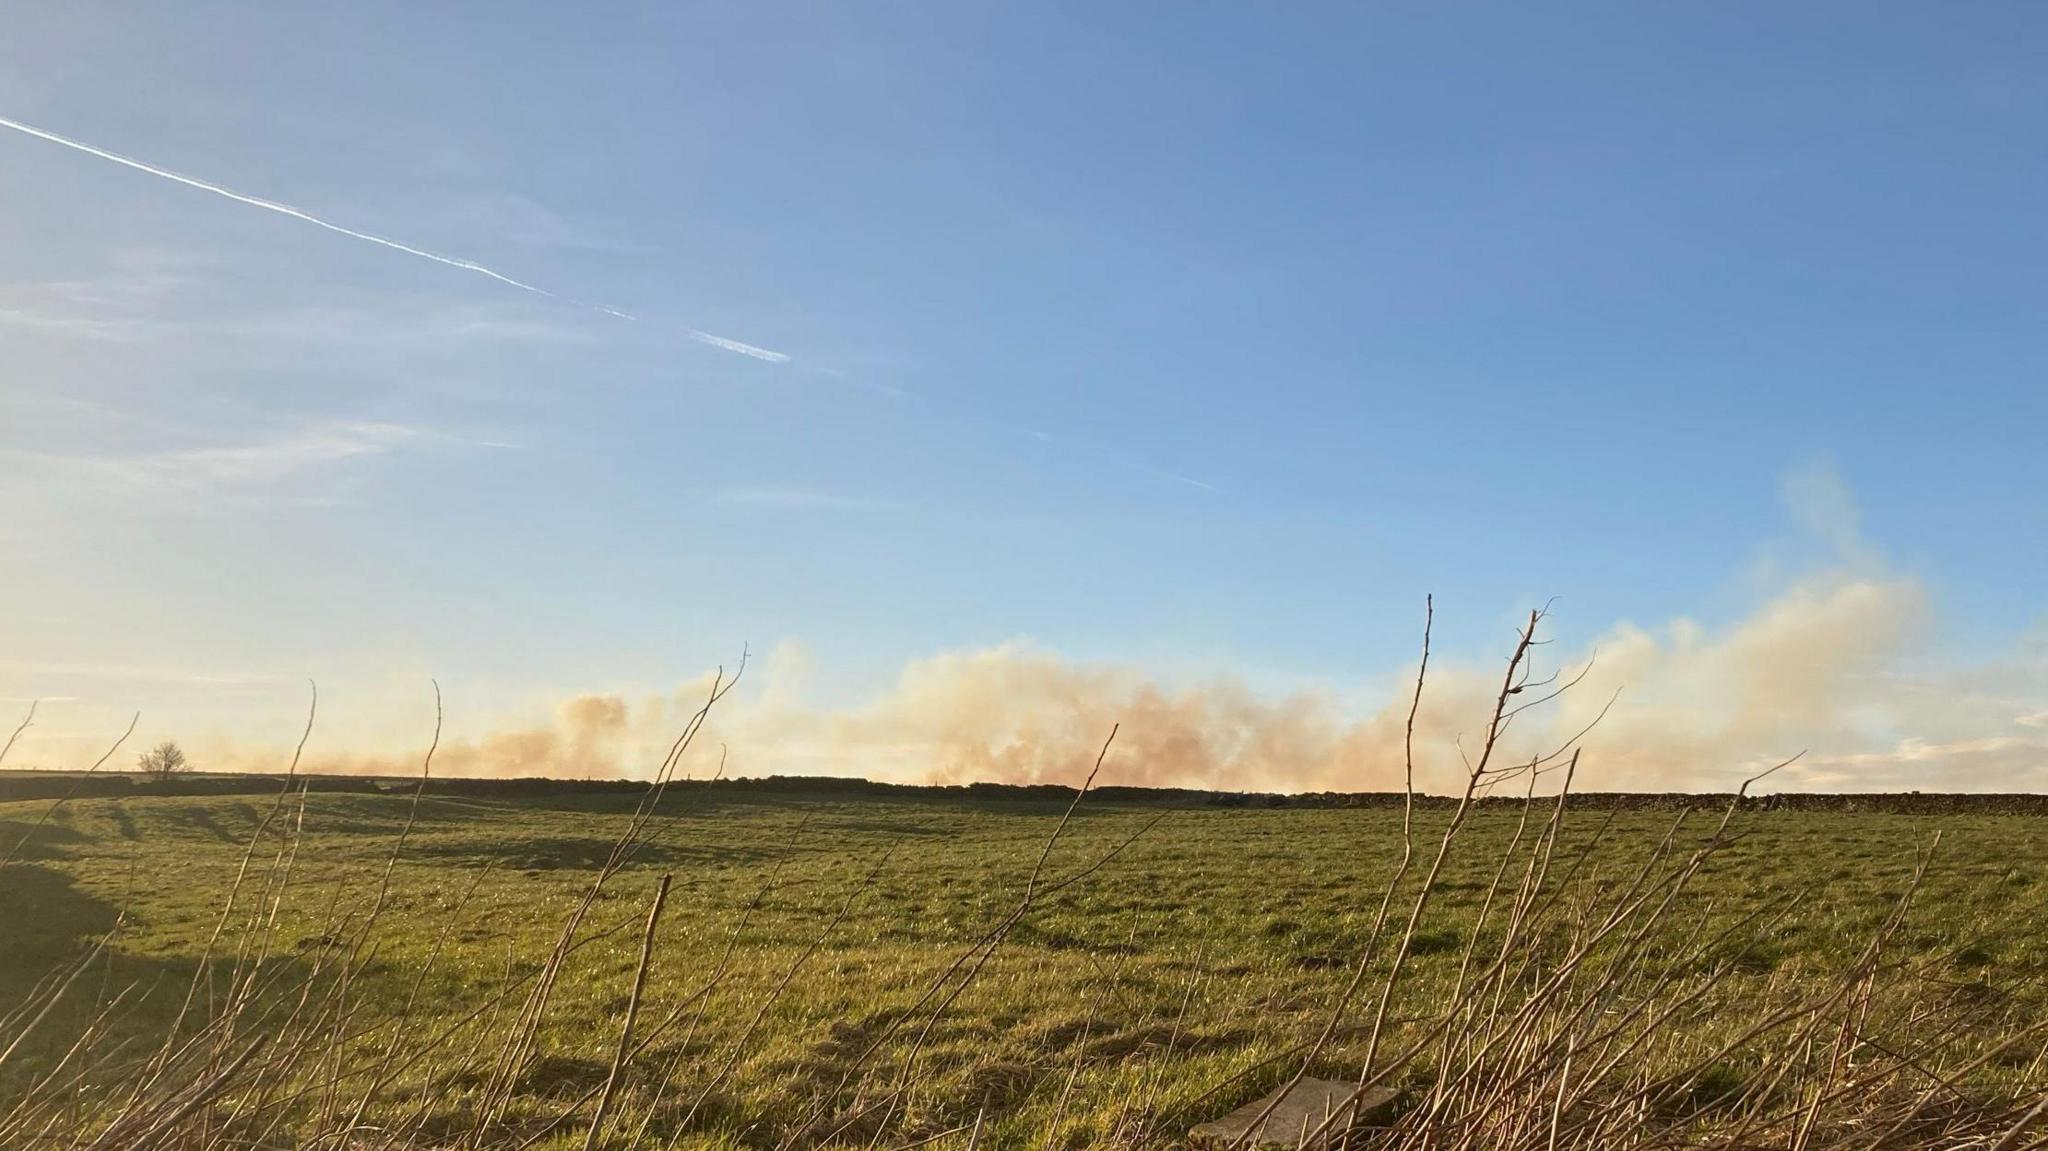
[1215,942]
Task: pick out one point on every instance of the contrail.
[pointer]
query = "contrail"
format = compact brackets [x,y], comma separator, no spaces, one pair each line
[269,205]
[736,346]
[382,241]
[697,334]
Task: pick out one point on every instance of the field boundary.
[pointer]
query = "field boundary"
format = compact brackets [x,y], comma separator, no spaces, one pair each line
[31,784]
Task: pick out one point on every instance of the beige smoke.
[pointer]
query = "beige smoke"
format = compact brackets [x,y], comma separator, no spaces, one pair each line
[1832,666]
[1824,668]
[591,736]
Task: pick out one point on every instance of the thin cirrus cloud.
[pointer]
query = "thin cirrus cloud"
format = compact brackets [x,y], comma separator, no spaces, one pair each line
[334,326]
[260,466]
[798,499]
[103,330]
[721,342]
[132,673]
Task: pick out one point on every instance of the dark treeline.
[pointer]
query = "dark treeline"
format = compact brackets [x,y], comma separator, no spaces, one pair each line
[28,785]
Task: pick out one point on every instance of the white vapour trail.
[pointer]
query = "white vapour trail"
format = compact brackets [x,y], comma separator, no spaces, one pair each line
[270,205]
[369,237]
[735,346]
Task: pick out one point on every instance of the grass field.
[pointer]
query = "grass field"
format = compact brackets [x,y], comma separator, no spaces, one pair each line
[801,933]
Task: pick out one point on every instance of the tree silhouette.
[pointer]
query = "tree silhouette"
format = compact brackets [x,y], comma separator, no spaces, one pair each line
[163,761]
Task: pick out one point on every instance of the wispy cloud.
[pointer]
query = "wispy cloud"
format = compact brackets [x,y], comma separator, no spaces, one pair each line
[1138,466]
[132,329]
[263,466]
[324,326]
[303,216]
[129,329]
[138,673]
[262,461]
[798,498]
[71,326]
[1176,477]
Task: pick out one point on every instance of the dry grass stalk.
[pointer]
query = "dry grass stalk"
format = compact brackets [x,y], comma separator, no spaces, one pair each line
[611,1081]
[1563,1027]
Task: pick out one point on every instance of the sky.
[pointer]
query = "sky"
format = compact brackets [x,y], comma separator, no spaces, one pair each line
[993,373]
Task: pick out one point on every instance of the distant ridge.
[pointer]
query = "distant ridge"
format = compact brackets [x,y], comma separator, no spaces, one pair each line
[29,784]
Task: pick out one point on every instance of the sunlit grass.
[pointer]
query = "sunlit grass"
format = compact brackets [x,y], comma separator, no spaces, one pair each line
[1214,943]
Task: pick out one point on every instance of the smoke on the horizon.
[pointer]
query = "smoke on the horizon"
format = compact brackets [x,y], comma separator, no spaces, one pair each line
[1823,668]
[1834,666]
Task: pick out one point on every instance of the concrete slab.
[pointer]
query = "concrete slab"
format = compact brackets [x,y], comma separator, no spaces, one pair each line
[1298,1112]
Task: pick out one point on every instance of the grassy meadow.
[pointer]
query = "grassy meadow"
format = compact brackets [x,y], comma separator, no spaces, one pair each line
[785,998]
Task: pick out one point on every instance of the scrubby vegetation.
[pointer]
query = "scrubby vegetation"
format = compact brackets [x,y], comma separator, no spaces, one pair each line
[769,967]
[1195,961]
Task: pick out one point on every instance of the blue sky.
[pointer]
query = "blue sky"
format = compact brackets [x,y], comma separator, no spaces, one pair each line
[1198,340]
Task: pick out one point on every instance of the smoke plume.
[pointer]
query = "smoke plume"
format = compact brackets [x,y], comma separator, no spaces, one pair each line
[1825,667]
[1835,667]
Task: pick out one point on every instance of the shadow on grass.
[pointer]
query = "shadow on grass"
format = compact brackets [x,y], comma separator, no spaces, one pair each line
[50,923]
[28,842]
[205,821]
[551,853]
